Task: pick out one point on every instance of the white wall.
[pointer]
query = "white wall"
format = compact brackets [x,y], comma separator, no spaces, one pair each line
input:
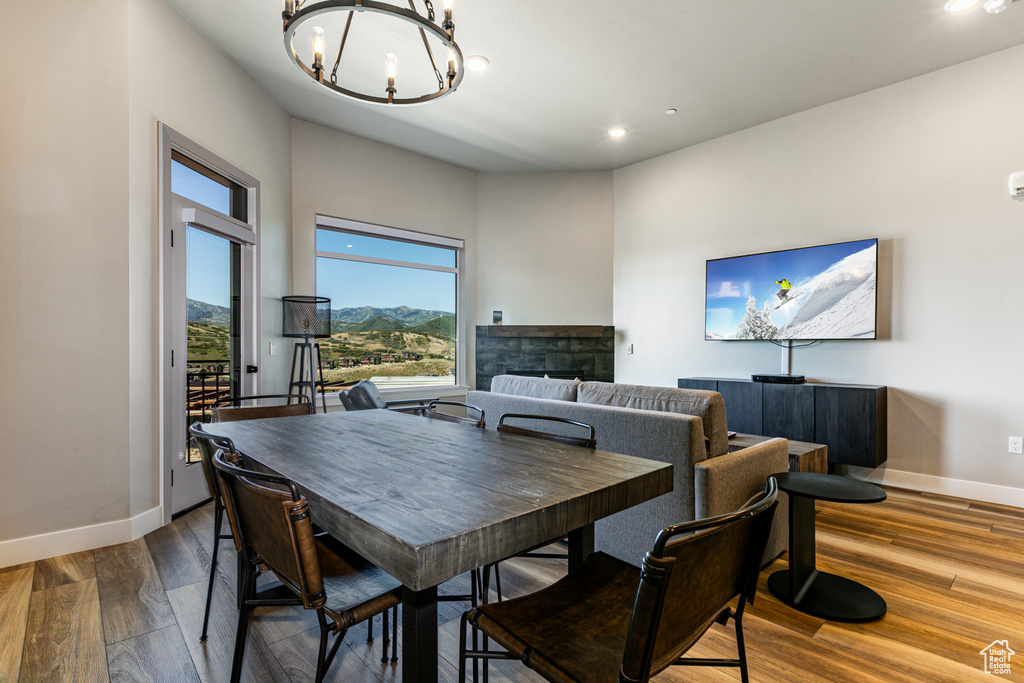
[341,175]
[79,448]
[179,78]
[923,166]
[544,249]
[64,298]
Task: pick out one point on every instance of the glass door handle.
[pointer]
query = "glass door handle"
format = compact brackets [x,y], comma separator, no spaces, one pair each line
[251,369]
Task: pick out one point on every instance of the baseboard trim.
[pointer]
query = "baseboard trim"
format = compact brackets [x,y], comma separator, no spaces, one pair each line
[958,488]
[66,541]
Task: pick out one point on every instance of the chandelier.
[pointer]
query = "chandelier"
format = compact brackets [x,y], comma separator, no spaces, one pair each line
[298,13]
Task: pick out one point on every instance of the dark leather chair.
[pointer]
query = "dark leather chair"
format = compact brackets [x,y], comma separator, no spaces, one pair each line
[208,445]
[570,439]
[609,621]
[232,409]
[273,530]
[364,395]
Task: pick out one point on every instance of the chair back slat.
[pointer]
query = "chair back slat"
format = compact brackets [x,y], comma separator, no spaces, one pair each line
[569,439]
[687,583]
[269,518]
[232,414]
[432,412]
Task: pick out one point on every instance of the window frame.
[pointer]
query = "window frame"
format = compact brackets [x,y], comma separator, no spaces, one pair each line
[345,225]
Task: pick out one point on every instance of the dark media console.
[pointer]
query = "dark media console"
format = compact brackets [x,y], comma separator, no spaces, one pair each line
[851,419]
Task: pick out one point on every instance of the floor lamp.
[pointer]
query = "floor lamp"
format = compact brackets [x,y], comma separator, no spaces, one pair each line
[307,318]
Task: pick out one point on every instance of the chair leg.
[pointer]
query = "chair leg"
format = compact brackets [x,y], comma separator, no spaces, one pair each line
[394,634]
[218,518]
[369,630]
[462,651]
[321,659]
[740,647]
[497,580]
[384,631]
[248,581]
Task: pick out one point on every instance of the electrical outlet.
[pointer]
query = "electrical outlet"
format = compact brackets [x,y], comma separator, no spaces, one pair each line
[1016,444]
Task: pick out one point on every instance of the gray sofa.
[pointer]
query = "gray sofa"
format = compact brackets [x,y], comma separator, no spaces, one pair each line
[680,426]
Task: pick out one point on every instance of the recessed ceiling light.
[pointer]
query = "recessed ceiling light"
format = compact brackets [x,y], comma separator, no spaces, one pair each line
[960,5]
[670,111]
[996,6]
[617,132]
[477,62]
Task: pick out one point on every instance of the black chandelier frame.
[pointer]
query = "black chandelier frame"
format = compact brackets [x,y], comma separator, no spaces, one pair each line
[447,83]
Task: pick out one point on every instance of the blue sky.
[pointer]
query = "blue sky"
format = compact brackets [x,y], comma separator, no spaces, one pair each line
[350,284]
[730,281]
[209,256]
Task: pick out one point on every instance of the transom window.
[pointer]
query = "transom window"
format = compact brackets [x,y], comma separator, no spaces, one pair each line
[394,304]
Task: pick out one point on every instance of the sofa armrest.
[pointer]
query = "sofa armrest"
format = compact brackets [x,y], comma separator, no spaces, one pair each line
[722,484]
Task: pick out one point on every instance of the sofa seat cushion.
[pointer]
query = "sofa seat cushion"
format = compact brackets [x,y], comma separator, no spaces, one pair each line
[536,387]
[707,405]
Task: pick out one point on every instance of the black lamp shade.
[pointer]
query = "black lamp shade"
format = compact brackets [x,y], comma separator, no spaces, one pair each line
[306,316]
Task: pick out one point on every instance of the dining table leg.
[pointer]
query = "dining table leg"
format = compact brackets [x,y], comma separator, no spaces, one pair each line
[581,545]
[419,635]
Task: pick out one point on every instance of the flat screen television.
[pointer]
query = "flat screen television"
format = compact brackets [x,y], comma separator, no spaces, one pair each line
[814,293]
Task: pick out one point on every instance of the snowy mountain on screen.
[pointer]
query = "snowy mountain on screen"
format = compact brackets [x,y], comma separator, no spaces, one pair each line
[838,303]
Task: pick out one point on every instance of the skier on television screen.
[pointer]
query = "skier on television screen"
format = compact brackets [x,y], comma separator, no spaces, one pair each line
[784,286]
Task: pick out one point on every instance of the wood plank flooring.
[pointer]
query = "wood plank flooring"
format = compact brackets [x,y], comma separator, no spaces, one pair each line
[951,571]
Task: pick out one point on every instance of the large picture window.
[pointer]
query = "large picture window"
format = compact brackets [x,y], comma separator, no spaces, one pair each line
[394,304]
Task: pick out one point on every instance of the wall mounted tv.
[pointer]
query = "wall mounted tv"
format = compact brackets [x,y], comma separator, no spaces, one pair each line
[814,293]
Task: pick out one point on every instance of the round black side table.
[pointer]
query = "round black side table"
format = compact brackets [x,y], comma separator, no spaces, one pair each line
[802,586]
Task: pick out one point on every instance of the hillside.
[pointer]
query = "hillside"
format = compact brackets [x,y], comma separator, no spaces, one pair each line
[439,327]
[200,311]
[380,322]
[403,314]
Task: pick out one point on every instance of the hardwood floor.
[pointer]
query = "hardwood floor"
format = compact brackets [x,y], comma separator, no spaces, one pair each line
[951,571]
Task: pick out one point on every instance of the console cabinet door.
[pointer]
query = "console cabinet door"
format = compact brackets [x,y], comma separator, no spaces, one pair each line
[743,403]
[851,421]
[788,410]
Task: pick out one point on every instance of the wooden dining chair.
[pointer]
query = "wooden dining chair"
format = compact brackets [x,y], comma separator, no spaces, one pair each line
[610,621]
[273,530]
[232,409]
[588,441]
[208,445]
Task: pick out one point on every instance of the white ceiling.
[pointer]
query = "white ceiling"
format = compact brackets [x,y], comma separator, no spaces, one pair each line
[565,71]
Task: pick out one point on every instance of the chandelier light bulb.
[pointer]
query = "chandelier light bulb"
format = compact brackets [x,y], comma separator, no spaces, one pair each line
[391,65]
[448,5]
[451,60]
[960,5]
[289,8]
[318,48]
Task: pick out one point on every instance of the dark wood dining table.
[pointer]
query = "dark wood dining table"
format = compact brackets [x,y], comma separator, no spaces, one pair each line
[427,500]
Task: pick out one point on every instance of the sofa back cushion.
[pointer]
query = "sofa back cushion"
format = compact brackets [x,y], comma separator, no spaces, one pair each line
[707,405]
[536,387]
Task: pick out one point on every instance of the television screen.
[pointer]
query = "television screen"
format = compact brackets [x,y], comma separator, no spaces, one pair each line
[824,292]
